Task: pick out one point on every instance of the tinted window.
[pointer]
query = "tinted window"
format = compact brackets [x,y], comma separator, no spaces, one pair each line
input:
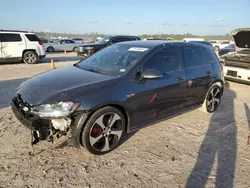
[70,41]
[129,39]
[195,56]
[63,41]
[116,40]
[32,37]
[11,37]
[165,60]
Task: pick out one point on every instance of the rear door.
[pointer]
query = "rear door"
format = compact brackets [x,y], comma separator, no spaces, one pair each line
[13,45]
[198,72]
[70,45]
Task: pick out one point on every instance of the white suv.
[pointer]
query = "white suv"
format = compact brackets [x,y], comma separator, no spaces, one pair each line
[21,46]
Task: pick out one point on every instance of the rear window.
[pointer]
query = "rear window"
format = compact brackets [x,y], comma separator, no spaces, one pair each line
[11,37]
[32,37]
[195,56]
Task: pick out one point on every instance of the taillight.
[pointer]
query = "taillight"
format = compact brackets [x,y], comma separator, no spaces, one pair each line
[40,43]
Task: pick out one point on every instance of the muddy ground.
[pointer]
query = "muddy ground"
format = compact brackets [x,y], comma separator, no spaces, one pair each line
[194,149]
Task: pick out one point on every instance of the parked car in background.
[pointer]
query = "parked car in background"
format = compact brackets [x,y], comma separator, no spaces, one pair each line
[91,48]
[237,64]
[192,39]
[118,90]
[227,49]
[20,46]
[203,42]
[78,40]
[61,45]
[220,45]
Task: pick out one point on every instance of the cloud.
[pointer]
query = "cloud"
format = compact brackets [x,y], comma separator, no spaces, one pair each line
[128,22]
[94,21]
[219,20]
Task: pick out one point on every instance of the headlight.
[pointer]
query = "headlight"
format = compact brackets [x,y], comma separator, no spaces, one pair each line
[89,48]
[61,109]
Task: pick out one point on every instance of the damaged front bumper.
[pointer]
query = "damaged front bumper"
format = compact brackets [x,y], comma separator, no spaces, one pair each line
[43,129]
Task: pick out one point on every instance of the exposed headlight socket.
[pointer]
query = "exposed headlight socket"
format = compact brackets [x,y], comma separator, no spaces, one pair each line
[61,124]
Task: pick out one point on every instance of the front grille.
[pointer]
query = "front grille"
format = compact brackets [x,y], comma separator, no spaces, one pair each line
[237,64]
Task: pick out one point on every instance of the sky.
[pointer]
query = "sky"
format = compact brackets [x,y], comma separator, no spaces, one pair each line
[202,17]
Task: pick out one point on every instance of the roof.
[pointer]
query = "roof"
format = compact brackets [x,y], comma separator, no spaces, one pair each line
[15,31]
[146,43]
[155,43]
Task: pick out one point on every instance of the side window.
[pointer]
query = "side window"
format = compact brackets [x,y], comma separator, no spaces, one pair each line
[116,40]
[165,60]
[11,37]
[63,41]
[69,41]
[195,56]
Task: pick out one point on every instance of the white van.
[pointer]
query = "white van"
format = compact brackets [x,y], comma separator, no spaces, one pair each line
[20,46]
[192,39]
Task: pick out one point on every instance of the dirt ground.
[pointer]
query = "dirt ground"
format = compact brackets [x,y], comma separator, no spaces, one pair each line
[193,150]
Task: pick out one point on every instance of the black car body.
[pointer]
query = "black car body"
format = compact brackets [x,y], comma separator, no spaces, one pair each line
[132,84]
[226,50]
[91,48]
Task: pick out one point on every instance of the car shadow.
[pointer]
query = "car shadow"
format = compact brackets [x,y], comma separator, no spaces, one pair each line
[7,91]
[219,143]
[247,110]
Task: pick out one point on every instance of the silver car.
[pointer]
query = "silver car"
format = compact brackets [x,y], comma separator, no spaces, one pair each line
[61,45]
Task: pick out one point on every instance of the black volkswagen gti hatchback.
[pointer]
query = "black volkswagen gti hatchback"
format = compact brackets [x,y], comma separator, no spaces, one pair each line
[118,90]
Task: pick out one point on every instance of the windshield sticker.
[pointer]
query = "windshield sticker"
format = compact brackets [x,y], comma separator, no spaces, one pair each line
[122,70]
[136,49]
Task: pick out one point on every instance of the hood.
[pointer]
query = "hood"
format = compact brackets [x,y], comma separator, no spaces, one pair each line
[93,45]
[242,38]
[58,83]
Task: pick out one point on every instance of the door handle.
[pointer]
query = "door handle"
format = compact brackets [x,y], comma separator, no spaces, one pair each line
[179,79]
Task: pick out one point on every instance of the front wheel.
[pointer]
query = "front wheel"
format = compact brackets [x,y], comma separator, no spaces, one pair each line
[30,57]
[213,98]
[75,49]
[103,131]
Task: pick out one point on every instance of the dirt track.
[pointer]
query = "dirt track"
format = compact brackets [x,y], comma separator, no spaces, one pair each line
[192,149]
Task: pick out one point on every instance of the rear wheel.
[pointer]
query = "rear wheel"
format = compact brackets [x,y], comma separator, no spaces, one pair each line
[213,98]
[75,49]
[103,131]
[30,57]
[50,49]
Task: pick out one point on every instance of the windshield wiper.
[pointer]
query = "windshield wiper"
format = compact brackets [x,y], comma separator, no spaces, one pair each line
[93,70]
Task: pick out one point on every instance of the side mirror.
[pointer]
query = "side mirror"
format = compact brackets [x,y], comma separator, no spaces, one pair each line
[151,74]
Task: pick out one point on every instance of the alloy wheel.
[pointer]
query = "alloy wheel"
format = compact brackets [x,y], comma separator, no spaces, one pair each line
[213,99]
[106,132]
[30,58]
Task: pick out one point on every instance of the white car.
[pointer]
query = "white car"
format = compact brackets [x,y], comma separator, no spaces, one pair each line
[20,46]
[62,45]
[219,45]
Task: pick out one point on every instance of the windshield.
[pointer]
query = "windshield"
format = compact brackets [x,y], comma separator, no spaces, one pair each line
[114,60]
[104,40]
[56,41]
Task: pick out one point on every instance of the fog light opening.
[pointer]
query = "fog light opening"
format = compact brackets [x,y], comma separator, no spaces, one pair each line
[61,124]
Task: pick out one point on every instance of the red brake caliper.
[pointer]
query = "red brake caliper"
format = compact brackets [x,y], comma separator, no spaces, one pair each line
[96,131]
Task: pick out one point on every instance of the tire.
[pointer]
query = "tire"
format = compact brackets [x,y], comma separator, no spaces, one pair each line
[212,102]
[75,49]
[30,57]
[50,49]
[99,128]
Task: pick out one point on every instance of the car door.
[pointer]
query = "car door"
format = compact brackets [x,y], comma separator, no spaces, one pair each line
[198,72]
[12,45]
[157,98]
[61,46]
[70,45]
